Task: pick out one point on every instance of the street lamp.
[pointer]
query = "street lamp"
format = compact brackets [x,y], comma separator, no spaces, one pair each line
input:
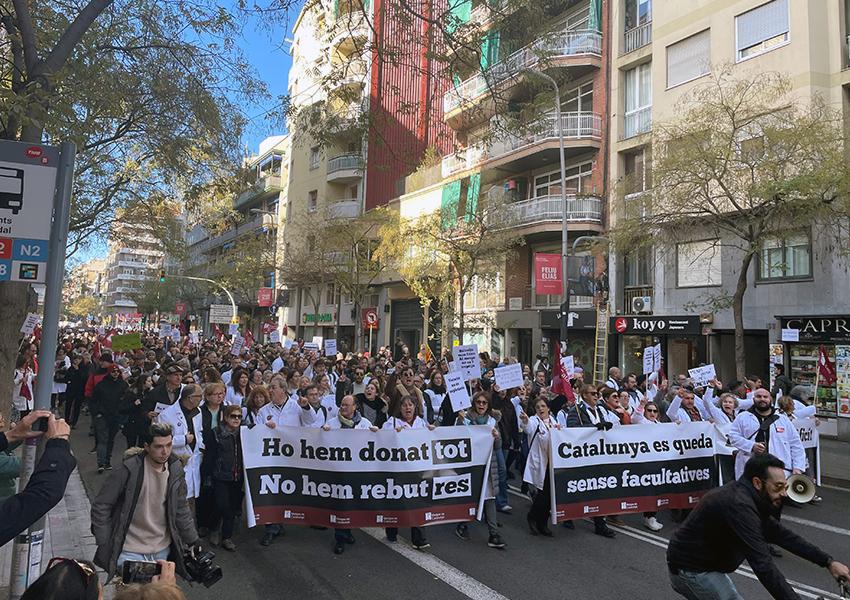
[559,128]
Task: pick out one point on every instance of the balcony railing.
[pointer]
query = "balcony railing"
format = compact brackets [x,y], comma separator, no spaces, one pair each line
[637,122]
[548,208]
[345,162]
[637,37]
[228,236]
[464,159]
[630,293]
[582,42]
[543,301]
[270,184]
[344,209]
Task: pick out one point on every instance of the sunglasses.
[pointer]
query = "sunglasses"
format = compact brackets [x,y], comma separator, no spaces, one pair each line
[86,571]
[651,410]
[235,416]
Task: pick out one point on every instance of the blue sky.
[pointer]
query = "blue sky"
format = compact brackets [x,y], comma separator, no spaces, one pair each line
[267,50]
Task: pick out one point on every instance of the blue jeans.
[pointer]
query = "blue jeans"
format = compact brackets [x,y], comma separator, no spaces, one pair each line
[502,493]
[161,555]
[710,585]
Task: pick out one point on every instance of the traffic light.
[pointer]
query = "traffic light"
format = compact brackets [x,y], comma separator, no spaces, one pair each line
[162,275]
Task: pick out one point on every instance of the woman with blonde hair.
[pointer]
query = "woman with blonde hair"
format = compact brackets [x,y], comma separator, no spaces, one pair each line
[257,399]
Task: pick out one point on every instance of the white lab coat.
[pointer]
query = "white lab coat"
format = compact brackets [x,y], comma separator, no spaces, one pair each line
[785,442]
[335,424]
[677,414]
[232,397]
[539,436]
[288,414]
[393,423]
[173,415]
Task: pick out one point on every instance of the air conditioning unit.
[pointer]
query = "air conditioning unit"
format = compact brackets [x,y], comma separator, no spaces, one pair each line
[641,304]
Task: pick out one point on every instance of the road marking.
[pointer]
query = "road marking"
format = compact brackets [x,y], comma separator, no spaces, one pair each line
[803,589]
[816,525]
[463,583]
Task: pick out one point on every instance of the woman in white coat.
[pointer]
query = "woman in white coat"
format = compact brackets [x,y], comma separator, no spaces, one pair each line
[538,430]
[187,428]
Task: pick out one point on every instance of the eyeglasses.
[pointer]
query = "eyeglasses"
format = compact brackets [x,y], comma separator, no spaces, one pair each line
[484,402]
[592,393]
[234,416]
[651,410]
[87,572]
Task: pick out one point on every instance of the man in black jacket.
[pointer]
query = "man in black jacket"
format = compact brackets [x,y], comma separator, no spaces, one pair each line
[734,523]
[107,405]
[47,483]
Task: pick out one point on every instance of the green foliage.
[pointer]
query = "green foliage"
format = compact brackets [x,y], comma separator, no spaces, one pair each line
[81,306]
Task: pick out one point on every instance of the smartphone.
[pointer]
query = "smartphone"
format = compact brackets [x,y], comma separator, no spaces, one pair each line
[139,571]
[40,424]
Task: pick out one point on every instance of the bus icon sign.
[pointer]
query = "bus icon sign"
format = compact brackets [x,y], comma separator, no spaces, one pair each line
[12,189]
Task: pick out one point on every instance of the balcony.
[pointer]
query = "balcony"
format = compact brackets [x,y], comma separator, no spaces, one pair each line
[344,209]
[130,277]
[569,48]
[637,122]
[133,264]
[553,301]
[637,37]
[345,168]
[228,236]
[267,186]
[463,160]
[632,292]
[350,32]
[543,209]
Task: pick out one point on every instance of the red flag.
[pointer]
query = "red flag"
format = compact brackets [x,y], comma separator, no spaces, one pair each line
[826,370]
[561,382]
[249,339]
[95,350]
[218,334]
[37,332]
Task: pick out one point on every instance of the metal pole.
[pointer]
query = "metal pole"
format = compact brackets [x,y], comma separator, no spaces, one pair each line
[27,550]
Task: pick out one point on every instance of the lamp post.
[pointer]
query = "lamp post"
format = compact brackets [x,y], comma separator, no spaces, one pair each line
[559,128]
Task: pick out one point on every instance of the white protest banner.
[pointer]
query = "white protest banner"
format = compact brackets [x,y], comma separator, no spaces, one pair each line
[330,347]
[311,346]
[701,376]
[808,430]
[630,469]
[456,388]
[648,360]
[454,366]
[356,478]
[274,337]
[287,343]
[236,345]
[221,313]
[317,339]
[790,335]
[194,337]
[467,358]
[509,376]
[165,330]
[568,364]
[656,357]
[175,335]
[29,323]
[233,329]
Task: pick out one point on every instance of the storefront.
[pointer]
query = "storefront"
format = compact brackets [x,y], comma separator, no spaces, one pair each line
[801,360]
[581,334]
[683,346]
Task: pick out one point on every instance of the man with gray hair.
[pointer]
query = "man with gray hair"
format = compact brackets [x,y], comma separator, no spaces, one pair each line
[141,512]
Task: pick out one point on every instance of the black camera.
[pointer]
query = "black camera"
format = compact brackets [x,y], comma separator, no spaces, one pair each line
[200,568]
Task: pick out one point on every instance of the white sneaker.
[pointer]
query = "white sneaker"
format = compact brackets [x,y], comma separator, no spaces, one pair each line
[652,524]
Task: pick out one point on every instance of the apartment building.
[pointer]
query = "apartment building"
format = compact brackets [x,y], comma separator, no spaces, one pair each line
[259,210]
[85,279]
[660,51]
[134,256]
[354,65]
[519,164]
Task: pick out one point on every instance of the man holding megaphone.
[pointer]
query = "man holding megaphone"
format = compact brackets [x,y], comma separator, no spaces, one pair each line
[734,523]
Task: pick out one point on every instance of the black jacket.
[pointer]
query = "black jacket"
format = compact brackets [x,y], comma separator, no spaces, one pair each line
[226,453]
[76,378]
[108,399]
[44,491]
[729,525]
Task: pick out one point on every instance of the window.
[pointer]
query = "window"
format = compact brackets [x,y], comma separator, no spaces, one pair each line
[578,181]
[698,263]
[312,200]
[314,157]
[689,58]
[638,171]
[638,100]
[638,12]
[578,99]
[762,29]
[638,268]
[787,257]
[331,294]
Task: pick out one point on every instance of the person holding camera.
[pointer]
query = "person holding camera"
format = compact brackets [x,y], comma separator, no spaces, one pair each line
[142,512]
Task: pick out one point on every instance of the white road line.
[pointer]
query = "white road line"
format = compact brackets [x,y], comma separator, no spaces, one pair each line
[803,589]
[463,583]
[816,525]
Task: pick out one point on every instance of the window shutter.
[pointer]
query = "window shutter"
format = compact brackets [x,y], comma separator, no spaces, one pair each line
[762,23]
[448,205]
[689,58]
[698,263]
[472,193]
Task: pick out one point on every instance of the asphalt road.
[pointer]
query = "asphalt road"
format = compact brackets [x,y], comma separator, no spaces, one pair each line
[574,564]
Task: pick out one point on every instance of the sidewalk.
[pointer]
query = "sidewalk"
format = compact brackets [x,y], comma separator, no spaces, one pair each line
[835,456]
[67,532]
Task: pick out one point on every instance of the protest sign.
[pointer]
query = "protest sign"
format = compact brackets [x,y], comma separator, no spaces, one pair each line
[456,388]
[317,339]
[568,365]
[175,335]
[509,376]
[648,360]
[467,359]
[236,345]
[330,348]
[701,376]
[195,337]
[287,343]
[128,341]
[656,357]
[308,346]
[165,330]
[356,478]
[274,337]
[29,323]
[808,430]
[233,329]
[630,469]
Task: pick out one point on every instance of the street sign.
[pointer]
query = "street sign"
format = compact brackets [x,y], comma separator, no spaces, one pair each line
[180,308]
[27,185]
[220,313]
[370,318]
[273,309]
